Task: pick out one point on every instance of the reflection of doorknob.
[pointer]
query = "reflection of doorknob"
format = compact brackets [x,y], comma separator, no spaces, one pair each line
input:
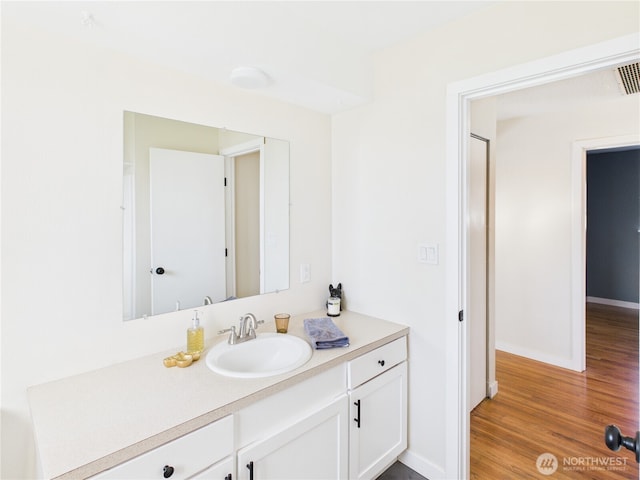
[160,270]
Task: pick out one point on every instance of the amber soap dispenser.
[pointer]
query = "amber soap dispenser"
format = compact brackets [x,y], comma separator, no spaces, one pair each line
[195,336]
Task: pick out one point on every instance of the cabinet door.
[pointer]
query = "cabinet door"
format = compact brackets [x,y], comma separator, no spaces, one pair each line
[378,432]
[222,470]
[313,448]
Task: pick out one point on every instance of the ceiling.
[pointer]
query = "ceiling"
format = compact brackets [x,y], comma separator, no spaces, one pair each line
[596,87]
[316,54]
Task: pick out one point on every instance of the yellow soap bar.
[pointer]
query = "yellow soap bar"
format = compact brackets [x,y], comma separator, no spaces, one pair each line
[181,359]
[169,362]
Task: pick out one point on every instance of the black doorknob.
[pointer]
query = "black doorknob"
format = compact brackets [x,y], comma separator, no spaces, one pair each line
[160,270]
[614,440]
[167,471]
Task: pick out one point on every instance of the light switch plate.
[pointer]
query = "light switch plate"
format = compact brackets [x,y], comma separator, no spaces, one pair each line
[428,253]
[305,273]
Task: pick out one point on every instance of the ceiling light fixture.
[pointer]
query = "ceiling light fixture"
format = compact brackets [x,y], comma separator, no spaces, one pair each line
[249,77]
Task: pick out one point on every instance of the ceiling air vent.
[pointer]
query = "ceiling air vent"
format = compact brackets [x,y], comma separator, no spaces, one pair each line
[629,78]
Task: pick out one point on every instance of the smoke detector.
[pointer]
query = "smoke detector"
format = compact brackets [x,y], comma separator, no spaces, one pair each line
[629,78]
[249,77]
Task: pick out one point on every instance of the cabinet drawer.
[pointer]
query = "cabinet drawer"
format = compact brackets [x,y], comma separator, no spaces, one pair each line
[377,361]
[186,455]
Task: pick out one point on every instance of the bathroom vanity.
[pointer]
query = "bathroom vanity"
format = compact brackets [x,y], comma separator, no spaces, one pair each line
[341,415]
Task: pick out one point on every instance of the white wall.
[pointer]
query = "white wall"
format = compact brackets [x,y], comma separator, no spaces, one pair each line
[62,109]
[534,225]
[389,179]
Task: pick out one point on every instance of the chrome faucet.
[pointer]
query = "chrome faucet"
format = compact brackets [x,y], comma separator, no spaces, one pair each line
[207,300]
[246,329]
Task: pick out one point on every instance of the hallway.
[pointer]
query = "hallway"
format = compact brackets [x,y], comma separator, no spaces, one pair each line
[545,409]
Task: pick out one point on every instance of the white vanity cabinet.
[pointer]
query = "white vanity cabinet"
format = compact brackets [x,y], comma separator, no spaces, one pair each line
[313,448]
[183,458]
[378,402]
[347,422]
[298,425]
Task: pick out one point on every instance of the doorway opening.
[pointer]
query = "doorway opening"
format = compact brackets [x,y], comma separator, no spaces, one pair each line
[246,200]
[244,218]
[613,210]
[608,333]
[459,95]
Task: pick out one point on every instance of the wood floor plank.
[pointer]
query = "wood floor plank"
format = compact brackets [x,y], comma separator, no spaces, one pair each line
[545,409]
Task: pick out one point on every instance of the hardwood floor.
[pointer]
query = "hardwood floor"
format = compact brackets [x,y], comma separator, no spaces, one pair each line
[544,409]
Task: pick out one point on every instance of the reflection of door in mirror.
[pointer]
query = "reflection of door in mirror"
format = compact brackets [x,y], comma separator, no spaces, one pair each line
[247,224]
[265,266]
[187,228]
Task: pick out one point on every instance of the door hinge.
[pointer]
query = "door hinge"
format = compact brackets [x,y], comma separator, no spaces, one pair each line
[461,315]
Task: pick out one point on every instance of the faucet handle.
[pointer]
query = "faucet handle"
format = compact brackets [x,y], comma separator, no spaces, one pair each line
[252,331]
[233,337]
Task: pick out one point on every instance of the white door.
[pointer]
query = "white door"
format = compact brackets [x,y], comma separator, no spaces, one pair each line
[187,229]
[378,432]
[315,448]
[477,306]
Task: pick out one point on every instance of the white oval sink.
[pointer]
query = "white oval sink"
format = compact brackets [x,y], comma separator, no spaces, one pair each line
[268,354]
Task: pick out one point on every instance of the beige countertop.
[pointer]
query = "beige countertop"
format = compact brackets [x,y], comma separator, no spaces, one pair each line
[88,423]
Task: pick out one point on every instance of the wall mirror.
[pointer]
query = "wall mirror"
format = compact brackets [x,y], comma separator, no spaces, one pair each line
[205,215]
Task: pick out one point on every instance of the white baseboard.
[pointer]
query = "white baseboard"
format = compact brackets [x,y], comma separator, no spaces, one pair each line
[614,303]
[493,388]
[421,465]
[538,356]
